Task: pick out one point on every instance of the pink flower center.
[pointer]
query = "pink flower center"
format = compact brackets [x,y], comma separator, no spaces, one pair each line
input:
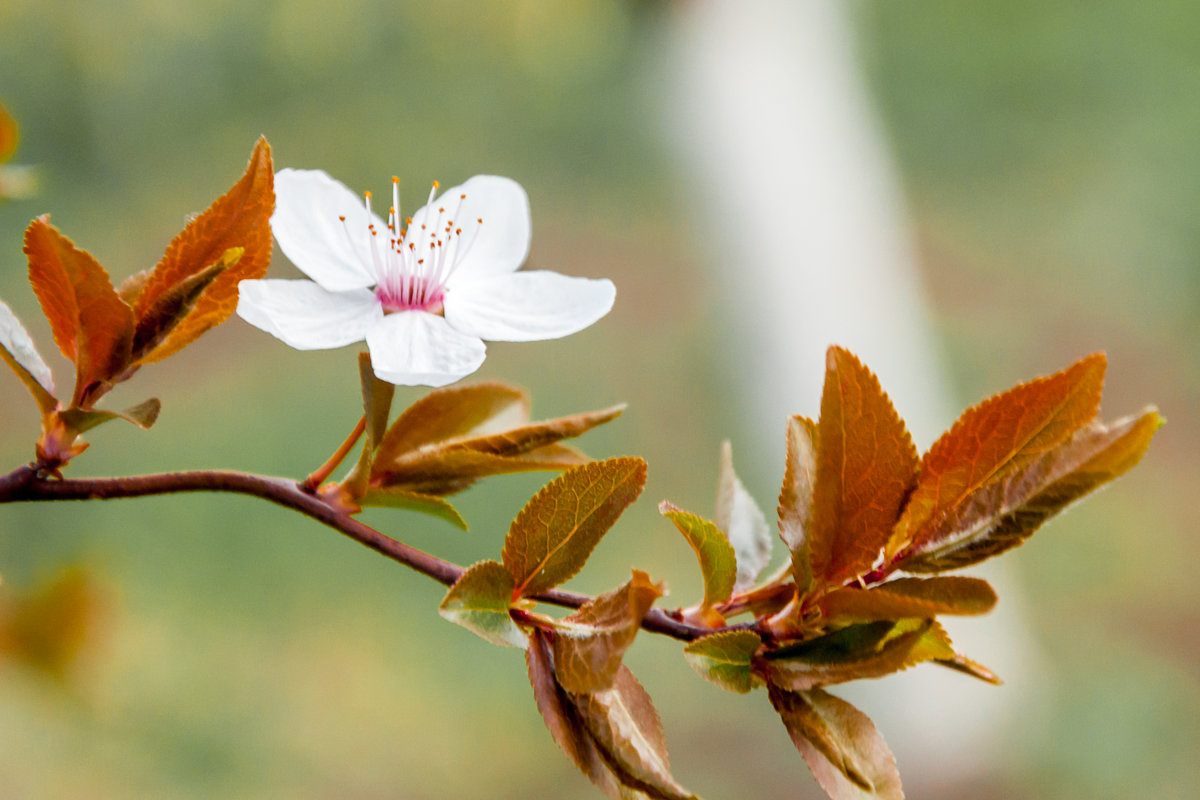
[411,262]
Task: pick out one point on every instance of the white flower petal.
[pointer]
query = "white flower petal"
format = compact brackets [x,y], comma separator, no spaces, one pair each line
[526,306]
[306,316]
[418,348]
[308,204]
[500,243]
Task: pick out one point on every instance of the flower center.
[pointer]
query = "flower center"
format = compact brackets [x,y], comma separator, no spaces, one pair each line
[412,259]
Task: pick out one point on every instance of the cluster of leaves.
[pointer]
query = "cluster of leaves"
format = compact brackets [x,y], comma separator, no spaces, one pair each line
[856,507]
[109,333]
[445,442]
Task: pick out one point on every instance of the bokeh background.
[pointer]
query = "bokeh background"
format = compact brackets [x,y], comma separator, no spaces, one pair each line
[1048,165]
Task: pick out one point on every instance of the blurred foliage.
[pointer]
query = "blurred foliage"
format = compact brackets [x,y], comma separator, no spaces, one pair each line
[1049,157]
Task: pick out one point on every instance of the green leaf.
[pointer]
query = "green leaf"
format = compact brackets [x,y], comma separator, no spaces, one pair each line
[742,522]
[1004,513]
[796,497]
[555,532]
[414,501]
[143,415]
[19,353]
[726,659]
[846,754]
[718,564]
[377,406]
[909,597]
[479,601]
[589,644]
[867,650]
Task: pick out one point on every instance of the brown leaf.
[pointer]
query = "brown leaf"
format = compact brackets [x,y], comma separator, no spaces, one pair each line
[589,644]
[452,437]
[846,754]
[555,532]
[173,306]
[1005,512]
[909,597]
[796,496]
[961,663]
[999,436]
[454,411]
[443,471]
[867,650]
[562,718]
[626,728]
[866,465]
[239,218]
[92,326]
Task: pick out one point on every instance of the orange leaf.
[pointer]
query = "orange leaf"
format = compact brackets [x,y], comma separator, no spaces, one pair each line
[1004,513]
[9,135]
[999,436]
[92,326]
[239,218]
[866,465]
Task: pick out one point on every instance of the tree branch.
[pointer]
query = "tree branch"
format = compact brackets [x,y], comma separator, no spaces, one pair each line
[24,485]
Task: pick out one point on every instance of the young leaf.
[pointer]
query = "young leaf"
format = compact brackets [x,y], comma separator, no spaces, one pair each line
[625,726]
[144,415]
[18,352]
[796,497]
[1005,512]
[718,564]
[726,659]
[414,501]
[479,601]
[377,406]
[443,470]
[961,663]
[486,448]
[999,436]
[555,532]
[562,718]
[742,522]
[454,411]
[589,644]
[867,650]
[866,465]
[843,749]
[909,597]
[92,326]
[238,219]
[175,304]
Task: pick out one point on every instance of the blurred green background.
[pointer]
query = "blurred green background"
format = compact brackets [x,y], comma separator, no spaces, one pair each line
[1048,153]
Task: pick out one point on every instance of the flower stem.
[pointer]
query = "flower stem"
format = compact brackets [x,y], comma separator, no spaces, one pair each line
[318,477]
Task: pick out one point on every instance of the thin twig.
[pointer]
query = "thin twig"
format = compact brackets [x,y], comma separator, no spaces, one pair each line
[23,485]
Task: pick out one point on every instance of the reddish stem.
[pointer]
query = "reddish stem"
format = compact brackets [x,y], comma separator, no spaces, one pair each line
[23,485]
[322,472]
